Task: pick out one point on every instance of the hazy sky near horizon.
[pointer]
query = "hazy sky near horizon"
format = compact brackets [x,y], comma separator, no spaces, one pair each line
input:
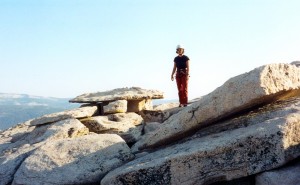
[63,48]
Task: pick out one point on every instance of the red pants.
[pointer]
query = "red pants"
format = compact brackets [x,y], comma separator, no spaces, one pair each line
[182,86]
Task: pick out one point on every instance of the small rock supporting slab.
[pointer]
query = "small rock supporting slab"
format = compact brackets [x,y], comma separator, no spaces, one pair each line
[118,106]
[139,105]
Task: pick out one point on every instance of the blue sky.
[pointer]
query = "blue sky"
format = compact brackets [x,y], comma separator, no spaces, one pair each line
[63,48]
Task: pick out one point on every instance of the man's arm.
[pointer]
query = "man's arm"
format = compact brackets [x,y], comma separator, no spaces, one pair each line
[173,71]
[188,68]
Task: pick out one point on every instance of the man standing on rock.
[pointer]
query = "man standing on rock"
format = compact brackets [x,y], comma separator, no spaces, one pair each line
[181,66]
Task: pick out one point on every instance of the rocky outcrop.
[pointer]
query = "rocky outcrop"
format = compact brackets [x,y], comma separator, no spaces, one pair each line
[137,99]
[268,139]
[259,86]
[133,93]
[73,161]
[127,125]
[81,112]
[19,142]
[248,126]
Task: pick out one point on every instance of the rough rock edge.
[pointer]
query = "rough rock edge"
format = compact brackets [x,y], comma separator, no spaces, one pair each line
[134,93]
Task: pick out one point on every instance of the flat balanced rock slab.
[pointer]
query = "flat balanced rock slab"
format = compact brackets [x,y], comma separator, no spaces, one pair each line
[132,93]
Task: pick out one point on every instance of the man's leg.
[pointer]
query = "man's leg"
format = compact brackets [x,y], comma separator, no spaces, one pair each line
[179,81]
[185,89]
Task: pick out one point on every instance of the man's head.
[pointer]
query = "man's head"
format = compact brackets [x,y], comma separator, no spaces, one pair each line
[179,49]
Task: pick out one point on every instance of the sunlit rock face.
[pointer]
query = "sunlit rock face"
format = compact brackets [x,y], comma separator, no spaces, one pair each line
[253,142]
[132,93]
[81,160]
[137,99]
[246,128]
[257,87]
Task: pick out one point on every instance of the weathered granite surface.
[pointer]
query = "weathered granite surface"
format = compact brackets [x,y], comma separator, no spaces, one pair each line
[126,125]
[18,143]
[247,126]
[132,93]
[82,112]
[289,175]
[81,160]
[268,139]
[139,105]
[259,86]
[160,113]
[118,106]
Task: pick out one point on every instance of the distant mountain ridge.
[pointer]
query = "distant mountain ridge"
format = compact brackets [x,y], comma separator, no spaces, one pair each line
[18,108]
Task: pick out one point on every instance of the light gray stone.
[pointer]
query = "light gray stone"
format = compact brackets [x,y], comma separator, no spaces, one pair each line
[257,115]
[83,160]
[17,143]
[139,105]
[132,93]
[150,127]
[269,140]
[82,112]
[195,100]
[157,115]
[154,116]
[69,128]
[11,159]
[165,106]
[288,175]
[261,85]
[160,113]
[127,125]
[118,106]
